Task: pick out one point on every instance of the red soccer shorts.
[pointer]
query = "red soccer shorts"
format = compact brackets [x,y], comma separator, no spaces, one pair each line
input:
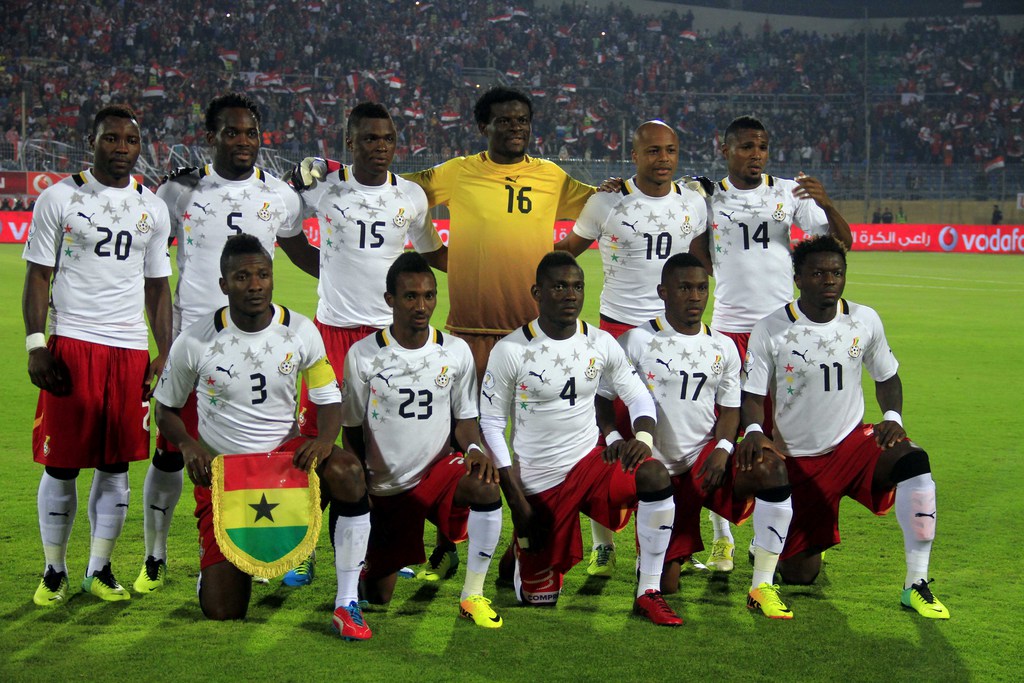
[742,340]
[622,422]
[690,498]
[396,522]
[599,490]
[190,416]
[104,420]
[337,341]
[820,482]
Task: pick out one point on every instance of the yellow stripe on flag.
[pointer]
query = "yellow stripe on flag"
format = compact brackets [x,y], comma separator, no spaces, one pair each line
[283,507]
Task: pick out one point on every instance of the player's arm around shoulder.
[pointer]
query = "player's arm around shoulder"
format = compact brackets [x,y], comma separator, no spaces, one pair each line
[438,182]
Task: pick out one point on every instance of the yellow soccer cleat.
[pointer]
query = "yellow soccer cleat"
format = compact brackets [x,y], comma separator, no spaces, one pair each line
[478,608]
[104,586]
[721,557]
[52,590]
[602,561]
[152,576]
[444,568]
[766,598]
[920,599]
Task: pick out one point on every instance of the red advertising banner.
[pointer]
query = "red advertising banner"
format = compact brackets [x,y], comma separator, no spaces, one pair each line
[37,182]
[14,226]
[13,182]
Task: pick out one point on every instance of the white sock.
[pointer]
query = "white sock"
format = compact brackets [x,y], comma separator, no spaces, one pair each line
[108,508]
[351,535]
[771,527]
[720,526]
[160,495]
[57,502]
[484,528]
[915,511]
[601,534]
[653,530]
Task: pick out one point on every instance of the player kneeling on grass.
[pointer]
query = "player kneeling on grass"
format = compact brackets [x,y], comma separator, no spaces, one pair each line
[812,353]
[406,388]
[692,371]
[544,377]
[243,362]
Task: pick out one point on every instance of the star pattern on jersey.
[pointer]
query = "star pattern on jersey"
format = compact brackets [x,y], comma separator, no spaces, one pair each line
[811,363]
[394,374]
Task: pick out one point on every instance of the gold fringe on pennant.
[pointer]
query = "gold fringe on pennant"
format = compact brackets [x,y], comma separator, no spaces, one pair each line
[249,564]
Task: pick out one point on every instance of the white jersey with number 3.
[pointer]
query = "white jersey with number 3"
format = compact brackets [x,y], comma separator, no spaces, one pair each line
[547,387]
[687,375]
[750,248]
[814,372]
[405,400]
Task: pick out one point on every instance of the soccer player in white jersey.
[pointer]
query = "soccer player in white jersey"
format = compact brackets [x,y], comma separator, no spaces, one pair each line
[97,259]
[407,388]
[207,206]
[242,362]
[650,218]
[694,376]
[544,377]
[748,251]
[810,354]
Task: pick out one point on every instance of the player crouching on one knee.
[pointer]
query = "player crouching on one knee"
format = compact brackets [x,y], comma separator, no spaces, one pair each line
[250,408]
[544,377]
[813,352]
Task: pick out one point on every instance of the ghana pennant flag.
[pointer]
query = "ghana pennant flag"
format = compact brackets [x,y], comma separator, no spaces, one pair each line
[266,513]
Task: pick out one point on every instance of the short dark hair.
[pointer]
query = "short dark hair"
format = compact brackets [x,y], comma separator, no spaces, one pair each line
[678,262]
[231,100]
[555,259]
[407,262]
[119,111]
[365,110]
[745,122]
[241,245]
[821,244]
[498,95]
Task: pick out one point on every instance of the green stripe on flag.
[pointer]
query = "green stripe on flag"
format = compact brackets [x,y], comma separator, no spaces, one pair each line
[267,545]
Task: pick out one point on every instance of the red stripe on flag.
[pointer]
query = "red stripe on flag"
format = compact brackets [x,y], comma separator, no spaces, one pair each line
[262,471]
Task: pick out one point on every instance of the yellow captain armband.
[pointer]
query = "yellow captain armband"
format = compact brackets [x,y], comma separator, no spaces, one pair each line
[320,374]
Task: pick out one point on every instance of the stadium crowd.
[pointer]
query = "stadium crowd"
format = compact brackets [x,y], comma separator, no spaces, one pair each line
[940,90]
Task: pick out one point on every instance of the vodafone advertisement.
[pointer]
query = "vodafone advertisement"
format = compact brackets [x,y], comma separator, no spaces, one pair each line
[962,239]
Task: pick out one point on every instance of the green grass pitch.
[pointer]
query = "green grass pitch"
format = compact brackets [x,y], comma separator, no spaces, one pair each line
[955,323]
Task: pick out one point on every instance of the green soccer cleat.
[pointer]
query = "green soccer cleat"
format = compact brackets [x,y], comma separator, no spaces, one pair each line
[721,557]
[104,586]
[602,561]
[920,599]
[152,576]
[303,574]
[439,569]
[478,608]
[52,590]
[766,598]
[692,564]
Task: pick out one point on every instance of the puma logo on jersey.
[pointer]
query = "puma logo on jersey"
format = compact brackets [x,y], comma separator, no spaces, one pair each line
[88,218]
[511,179]
[387,380]
[668,365]
[631,226]
[202,207]
[489,397]
[727,215]
[340,210]
[531,373]
[227,371]
[802,355]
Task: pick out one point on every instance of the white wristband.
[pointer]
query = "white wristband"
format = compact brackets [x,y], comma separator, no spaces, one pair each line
[36,340]
[645,438]
[725,445]
[473,447]
[892,416]
[753,427]
[612,437]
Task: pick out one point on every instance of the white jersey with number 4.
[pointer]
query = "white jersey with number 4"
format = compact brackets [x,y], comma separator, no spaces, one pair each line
[547,387]
[750,248]
[363,229]
[687,375]
[814,372]
[245,382]
[205,216]
[102,242]
[636,233]
[405,400]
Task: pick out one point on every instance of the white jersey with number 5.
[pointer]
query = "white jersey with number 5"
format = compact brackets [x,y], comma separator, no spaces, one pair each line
[363,229]
[636,233]
[814,372]
[687,375]
[102,242]
[750,248]
[245,382]
[547,387]
[205,216]
[405,400]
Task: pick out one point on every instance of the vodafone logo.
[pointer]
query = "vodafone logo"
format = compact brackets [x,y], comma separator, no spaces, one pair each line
[37,182]
[948,238]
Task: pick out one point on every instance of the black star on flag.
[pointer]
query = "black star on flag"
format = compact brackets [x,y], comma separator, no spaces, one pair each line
[263,509]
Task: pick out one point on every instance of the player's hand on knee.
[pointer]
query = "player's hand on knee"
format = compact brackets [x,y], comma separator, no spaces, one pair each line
[476,459]
[712,472]
[48,372]
[889,433]
[630,454]
[610,185]
[198,462]
[311,452]
[753,448]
